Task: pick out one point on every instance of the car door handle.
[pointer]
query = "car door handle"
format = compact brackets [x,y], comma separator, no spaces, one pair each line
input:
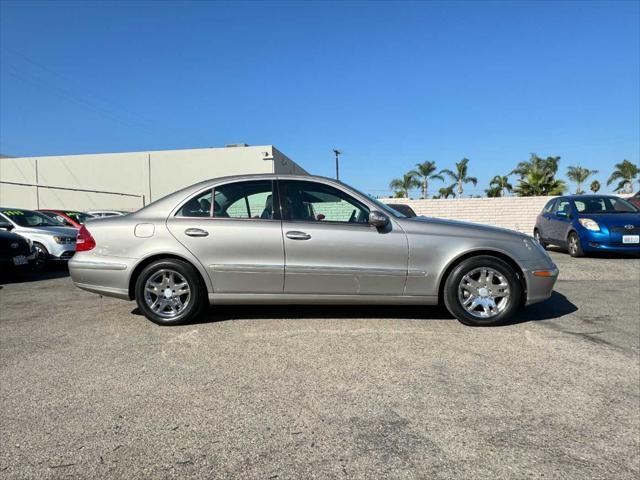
[294,235]
[196,232]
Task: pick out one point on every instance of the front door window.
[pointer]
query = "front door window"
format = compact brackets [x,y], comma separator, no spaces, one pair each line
[315,202]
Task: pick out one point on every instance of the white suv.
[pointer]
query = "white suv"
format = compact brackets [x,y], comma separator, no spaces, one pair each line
[51,239]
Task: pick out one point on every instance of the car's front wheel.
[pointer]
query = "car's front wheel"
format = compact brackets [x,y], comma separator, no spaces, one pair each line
[483,291]
[42,256]
[169,292]
[573,245]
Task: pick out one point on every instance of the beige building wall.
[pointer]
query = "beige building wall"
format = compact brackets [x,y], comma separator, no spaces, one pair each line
[515,213]
[144,176]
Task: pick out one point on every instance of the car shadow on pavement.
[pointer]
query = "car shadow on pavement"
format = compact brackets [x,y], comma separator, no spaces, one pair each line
[556,306]
[48,273]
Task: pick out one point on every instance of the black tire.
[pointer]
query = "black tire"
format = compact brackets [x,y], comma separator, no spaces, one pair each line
[42,257]
[573,245]
[194,302]
[536,235]
[452,297]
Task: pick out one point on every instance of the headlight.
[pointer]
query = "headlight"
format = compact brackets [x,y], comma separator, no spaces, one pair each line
[64,240]
[589,224]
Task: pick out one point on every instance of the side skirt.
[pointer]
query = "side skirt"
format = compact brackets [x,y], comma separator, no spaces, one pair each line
[293,299]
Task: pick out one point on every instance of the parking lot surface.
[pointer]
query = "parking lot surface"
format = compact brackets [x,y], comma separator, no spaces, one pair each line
[90,388]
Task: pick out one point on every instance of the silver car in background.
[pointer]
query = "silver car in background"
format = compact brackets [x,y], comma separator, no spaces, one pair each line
[51,239]
[288,239]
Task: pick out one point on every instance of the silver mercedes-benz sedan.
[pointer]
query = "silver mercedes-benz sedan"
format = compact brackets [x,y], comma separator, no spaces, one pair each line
[289,239]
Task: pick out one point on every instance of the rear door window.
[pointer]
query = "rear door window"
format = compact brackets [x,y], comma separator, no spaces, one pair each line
[252,200]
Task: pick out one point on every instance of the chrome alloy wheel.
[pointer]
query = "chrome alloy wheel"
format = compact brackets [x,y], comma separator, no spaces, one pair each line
[484,292]
[573,244]
[167,293]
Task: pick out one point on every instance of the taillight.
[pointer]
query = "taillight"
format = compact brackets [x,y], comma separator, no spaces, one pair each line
[85,241]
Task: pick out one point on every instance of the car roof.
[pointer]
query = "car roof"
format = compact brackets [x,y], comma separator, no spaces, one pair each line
[576,197]
[170,200]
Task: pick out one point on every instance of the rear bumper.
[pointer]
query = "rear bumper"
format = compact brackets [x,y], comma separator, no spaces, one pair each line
[102,275]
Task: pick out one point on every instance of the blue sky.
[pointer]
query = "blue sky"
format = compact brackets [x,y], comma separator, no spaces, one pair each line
[390,83]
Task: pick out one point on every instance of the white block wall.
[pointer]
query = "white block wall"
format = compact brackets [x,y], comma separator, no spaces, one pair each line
[515,213]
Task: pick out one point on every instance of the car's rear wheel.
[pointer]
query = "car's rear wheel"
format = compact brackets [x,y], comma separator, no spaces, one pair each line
[483,291]
[536,235]
[573,245]
[169,292]
[42,256]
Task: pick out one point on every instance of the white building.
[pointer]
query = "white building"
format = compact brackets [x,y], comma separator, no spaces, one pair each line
[126,181]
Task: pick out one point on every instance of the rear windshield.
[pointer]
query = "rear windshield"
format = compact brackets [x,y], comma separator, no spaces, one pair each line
[604,205]
[79,217]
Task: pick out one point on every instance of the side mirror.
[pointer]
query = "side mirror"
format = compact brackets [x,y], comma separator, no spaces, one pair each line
[6,226]
[378,219]
[562,214]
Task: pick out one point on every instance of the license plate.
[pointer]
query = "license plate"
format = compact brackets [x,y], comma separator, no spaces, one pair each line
[631,239]
[20,260]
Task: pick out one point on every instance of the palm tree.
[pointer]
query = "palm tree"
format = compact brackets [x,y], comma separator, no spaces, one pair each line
[595,186]
[626,172]
[493,192]
[445,192]
[424,172]
[460,177]
[537,177]
[579,175]
[499,183]
[401,186]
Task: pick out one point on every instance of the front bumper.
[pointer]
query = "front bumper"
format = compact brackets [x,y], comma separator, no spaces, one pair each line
[591,246]
[62,252]
[540,283]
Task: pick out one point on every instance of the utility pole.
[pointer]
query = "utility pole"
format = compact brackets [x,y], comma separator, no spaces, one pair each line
[338,153]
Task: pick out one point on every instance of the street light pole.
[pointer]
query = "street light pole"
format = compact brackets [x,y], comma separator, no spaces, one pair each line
[338,153]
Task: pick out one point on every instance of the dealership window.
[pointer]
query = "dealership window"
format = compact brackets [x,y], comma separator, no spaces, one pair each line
[317,202]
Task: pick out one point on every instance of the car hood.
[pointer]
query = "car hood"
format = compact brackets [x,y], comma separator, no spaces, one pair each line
[466,228]
[615,219]
[66,231]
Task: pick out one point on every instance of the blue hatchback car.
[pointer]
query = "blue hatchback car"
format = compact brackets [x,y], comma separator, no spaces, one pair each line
[590,223]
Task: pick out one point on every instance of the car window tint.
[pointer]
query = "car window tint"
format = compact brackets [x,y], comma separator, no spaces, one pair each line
[198,206]
[580,206]
[316,202]
[250,200]
[29,218]
[606,205]
[61,219]
[549,206]
[79,216]
[563,206]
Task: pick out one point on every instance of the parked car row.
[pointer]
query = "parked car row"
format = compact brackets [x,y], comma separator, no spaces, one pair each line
[29,239]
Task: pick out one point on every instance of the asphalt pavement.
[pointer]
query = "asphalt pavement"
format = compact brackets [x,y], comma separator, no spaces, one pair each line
[90,388]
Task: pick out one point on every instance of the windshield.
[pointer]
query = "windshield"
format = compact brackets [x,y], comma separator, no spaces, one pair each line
[594,205]
[79,217]
[29,218]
